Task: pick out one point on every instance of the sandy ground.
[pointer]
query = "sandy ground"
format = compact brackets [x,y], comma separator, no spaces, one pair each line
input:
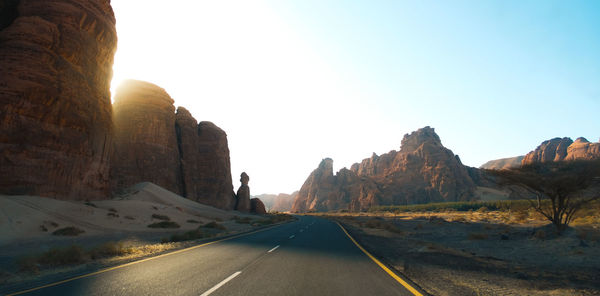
[486,257]
[27,222]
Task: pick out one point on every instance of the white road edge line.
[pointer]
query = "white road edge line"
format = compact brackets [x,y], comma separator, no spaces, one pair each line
[271,250]
[292,236]
[223,282]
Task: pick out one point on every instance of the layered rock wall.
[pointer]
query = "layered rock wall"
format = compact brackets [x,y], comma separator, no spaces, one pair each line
[422,171]
[559,149]
[56,65]
[145,146]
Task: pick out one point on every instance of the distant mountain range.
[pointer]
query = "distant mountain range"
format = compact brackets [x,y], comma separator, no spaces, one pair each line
[422,171]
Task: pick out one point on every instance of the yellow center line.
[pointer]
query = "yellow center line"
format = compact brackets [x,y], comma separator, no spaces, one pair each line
[389,271]
[136,262]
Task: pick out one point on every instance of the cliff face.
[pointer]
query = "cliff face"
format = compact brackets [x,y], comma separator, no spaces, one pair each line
[145,147]
[214,185]
[56,65]
[422,171]
[559,149]
[153,144]
[551,150]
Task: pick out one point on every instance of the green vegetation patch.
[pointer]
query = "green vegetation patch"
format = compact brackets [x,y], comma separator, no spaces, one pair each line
[460,206]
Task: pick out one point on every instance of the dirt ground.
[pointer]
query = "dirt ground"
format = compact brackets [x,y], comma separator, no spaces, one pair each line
[27,224]
[482,253]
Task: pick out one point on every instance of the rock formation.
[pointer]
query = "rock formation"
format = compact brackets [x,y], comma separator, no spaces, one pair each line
[257,206]
[214,185]
[422,171]
[153,144]
[503,163]
[243,194]
[559,149]
[145,145]
[550,150]
[56,65]
[582,149]
[281,202]
[186,129]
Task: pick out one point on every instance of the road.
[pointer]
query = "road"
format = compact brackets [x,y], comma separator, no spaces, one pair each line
[311,256]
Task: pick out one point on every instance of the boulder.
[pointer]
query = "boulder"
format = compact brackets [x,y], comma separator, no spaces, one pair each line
[56,66]
[257,206]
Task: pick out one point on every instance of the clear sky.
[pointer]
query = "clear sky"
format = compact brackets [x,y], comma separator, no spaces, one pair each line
[292,82]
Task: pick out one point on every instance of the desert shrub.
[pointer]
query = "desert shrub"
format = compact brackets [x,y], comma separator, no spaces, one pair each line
[112,210]
[111,214]
[214,225]
[68,231]
[129,218]
[190,235]
[51,258]
[62,256]
[108,249]
[161,217]
[477,236]
[382,224]
[164,224]
[192,221]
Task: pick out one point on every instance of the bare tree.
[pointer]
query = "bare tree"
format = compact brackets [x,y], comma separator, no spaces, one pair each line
[568,186]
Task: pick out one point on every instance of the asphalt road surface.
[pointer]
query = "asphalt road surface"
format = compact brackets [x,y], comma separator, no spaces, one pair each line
[311,256]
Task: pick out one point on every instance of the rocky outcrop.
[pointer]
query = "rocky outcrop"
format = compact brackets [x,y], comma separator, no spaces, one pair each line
[324,191]
[56,65]
[155,144]
[582,149]
[145,145]
[281,202]
[559,149]
[257,206]
[422,171]
[550,150]
[186,129]
[214,186]
[243,194]
[503,163]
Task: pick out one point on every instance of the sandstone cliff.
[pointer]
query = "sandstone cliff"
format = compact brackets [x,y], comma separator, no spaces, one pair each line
[215,186]
[550,150]
[422,171]
[503,163]
[56,65]
[145,145]
[155,144]
[559,149]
